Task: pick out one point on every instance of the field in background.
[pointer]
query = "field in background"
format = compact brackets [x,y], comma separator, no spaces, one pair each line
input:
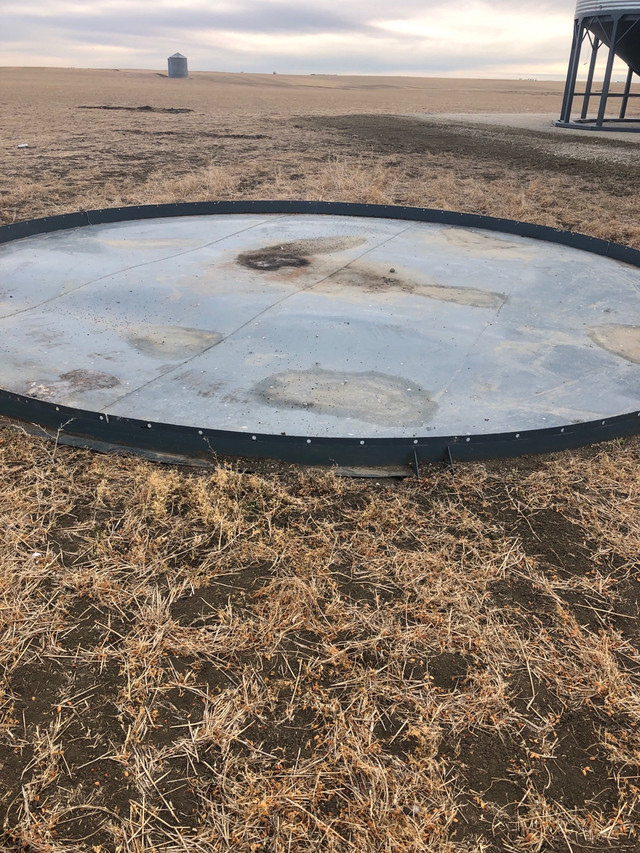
[287,662]
[252,136]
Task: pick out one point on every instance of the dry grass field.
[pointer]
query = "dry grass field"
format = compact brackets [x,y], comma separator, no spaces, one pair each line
[289,662]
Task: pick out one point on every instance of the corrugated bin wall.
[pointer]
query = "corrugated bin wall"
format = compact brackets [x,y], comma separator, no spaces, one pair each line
[178,66]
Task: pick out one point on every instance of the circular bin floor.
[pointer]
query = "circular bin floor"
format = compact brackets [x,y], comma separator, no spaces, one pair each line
[319,325]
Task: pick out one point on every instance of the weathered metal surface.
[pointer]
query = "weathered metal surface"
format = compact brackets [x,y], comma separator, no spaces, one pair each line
[321,326]
[606,7]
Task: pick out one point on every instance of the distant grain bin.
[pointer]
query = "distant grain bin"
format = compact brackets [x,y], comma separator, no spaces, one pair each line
[178,66]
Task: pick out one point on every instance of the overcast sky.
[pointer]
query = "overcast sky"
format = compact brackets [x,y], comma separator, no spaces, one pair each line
[510,38]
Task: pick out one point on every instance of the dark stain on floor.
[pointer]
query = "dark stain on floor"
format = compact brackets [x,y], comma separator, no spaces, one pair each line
[370,397]
[371,279]
[295,254]
[69,384]
[273,258]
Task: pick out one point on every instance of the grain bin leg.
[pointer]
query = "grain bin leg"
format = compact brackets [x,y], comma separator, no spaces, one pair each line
[592,70]
[606,84]
[625,98]
[572,73]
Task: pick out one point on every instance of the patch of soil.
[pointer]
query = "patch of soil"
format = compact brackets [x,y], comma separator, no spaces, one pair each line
[491,766]
[550,535]
[214,676]
[626,604]
[14,760]
[201,608]
[86,626]
[182,705]
[490,773]
[76,534]
[175,708]
[187,135]
[364,590]
[494,773]
[579,775]
[534,152]
[559,543]
[522,599]
[285,736]
[582,772]
[392,737]
[528,692]
[448,670]
[175,797]
[144,109]
[36,687]
[301,645]
[75,703]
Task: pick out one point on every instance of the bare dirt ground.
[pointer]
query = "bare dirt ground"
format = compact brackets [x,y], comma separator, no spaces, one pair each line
[323,137]
[286,661]
[543,123]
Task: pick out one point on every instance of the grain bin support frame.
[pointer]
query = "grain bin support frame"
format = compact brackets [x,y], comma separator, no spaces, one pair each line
[585,27]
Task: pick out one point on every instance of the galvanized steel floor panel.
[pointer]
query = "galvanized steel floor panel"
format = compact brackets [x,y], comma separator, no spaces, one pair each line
[316,325]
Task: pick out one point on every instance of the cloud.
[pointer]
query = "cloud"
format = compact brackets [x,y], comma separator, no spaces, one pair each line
[309,35]
[131,18]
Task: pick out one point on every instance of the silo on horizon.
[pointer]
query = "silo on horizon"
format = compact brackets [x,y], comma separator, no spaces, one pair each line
[178,67]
